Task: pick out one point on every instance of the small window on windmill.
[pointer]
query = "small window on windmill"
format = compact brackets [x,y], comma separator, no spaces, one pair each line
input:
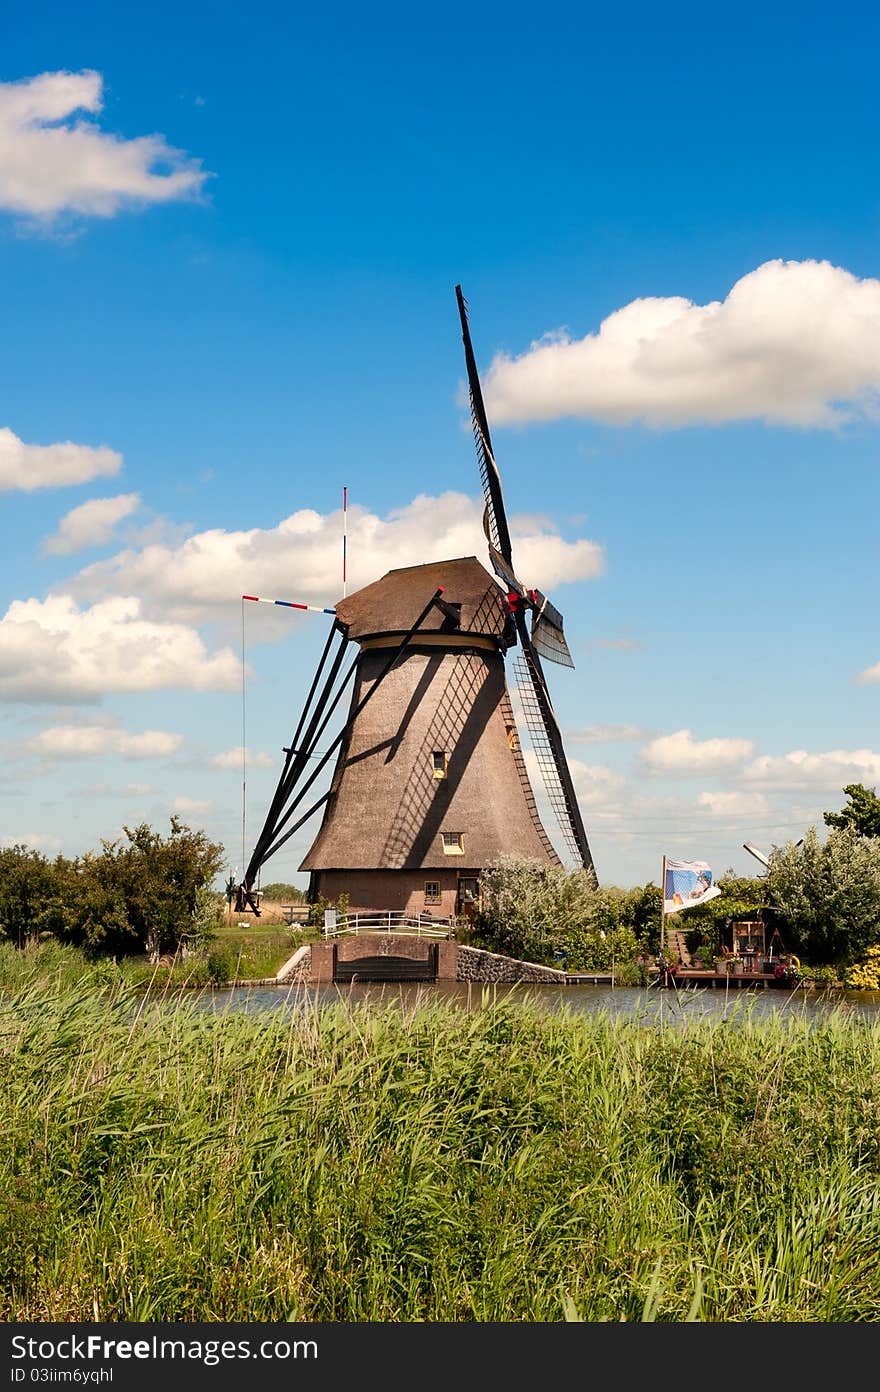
[438,762]
[453,842]
[512,737]
[432,892]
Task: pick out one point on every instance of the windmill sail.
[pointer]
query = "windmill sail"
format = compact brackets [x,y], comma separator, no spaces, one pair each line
[547,634]
[546,740]
[494,517]
[546,638]
[547,765]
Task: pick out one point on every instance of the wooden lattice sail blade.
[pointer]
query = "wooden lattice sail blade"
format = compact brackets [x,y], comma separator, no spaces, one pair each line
[547,634]
[552,766]
[494,516]
[550,642]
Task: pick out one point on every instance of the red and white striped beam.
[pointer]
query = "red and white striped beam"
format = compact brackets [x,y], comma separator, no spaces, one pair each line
[288,604]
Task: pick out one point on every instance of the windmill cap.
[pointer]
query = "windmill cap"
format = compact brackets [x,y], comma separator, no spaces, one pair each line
[393,604]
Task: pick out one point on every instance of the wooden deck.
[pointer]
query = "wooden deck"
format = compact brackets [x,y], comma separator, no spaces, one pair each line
[688,976]
[588,978]
[726,981]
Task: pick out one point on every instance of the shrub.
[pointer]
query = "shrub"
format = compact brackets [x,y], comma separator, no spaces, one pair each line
[220,966]
[143,893]
[864,975]
[819,976]
[829,894]
[544,913]
[631,973]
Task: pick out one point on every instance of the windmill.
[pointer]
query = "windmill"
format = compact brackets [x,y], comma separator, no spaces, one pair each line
[429,784]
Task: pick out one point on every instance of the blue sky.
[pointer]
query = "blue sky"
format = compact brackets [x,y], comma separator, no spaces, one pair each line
[229,243]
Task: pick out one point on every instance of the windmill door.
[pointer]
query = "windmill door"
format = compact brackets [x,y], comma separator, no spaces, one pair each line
[468,896]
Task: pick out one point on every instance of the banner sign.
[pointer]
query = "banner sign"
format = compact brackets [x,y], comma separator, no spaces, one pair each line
[687,883]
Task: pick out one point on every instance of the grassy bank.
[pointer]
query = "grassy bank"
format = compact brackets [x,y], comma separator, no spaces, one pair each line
[158,1163]
[234,955]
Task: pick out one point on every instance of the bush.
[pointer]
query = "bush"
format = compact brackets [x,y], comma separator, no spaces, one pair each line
[829,894]
[632,973]
[220,966]
[544,913]
[864,975]
[143,893]
[280,892]
[819,976]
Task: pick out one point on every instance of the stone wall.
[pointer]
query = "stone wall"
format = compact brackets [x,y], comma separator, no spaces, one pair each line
[475,965]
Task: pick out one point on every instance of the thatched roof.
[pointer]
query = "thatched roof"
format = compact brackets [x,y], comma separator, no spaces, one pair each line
[392,605]
[388,811]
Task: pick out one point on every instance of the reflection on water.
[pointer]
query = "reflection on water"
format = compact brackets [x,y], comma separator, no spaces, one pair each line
[652,1006]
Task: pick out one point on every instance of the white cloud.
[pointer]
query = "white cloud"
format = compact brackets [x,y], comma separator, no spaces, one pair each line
[301,558]
[102,790]
[616,644]
[90,741]
[188,805]
[34,840]
[795,343]
[603,734]
[734,804]
[832,769]
[28,467]
[593,783]
[51,650]
[681,753]
[90,524]
[51,163]
[232,759]
[869,676]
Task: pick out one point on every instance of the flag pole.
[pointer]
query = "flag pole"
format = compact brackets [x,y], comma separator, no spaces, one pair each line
[663,943]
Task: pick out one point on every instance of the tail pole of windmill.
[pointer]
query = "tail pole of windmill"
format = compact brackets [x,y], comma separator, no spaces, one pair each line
[283,604]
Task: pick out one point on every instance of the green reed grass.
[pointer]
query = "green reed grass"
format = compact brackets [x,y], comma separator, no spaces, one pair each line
[160,1162]
[251,957]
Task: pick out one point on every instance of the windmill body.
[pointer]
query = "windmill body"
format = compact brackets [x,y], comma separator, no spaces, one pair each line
[430,785]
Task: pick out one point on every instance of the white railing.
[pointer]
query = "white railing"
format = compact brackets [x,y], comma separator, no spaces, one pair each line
[390,921]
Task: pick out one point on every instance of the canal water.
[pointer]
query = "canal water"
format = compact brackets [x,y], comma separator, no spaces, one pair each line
[649,1006]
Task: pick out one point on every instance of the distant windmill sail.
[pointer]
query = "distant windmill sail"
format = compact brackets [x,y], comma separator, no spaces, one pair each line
[546,638]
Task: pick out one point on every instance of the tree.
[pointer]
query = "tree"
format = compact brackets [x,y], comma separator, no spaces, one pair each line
[828,895]
[279,892]
[527,908]
[862,812]
[27,897]
[642,910]
[544,913]
[143,893]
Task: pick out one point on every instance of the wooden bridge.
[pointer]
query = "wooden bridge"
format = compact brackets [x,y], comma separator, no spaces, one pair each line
[388,921]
